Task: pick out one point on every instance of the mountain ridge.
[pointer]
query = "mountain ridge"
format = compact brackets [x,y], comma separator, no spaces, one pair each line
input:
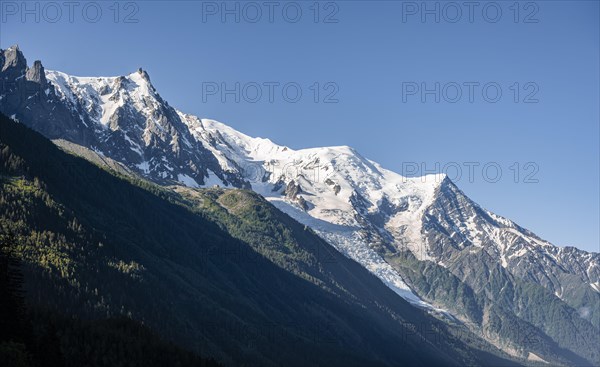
[370,214]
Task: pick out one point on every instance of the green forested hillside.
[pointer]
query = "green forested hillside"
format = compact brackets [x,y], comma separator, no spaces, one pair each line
[38,337]
[220,273]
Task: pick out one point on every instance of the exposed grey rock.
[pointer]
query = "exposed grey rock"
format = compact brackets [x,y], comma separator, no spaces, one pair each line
[36,73]
[292,190]
[302,203]
[28,96]
[13,62]
[336,189]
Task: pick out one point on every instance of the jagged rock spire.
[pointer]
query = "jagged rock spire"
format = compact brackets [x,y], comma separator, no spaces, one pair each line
[36,73]
[13,61]
[144,75]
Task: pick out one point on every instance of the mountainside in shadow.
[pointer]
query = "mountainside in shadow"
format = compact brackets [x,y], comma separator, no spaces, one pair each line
[94,245]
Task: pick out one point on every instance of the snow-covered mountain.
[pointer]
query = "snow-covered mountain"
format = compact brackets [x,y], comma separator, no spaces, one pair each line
[366,210]
[370,214]
[333,190]
[122,117]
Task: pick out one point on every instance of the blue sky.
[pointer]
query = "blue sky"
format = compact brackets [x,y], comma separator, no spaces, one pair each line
[371,55]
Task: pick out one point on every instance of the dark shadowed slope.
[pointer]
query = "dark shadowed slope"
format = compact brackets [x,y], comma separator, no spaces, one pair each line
[97,246]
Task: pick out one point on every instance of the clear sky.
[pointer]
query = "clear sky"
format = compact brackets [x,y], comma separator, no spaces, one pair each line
[373,60]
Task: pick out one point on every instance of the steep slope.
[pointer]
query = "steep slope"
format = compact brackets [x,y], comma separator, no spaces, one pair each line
[333,190]
[376,216]
[550,287]
[95,245]
[27,94]
[370,214]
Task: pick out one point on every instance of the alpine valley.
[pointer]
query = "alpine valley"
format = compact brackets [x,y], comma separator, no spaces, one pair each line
[123,210]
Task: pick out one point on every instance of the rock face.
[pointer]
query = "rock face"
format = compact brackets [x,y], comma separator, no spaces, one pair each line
[423,237]
[27,96]
[36,74]
[514,276]
[120,117]
[570,274]
[292,190]
[13,63]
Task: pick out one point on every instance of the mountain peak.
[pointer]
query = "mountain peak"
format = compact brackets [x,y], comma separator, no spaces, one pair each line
[142,79]
[13,48]
[144,75]
[36,73]
[13,58]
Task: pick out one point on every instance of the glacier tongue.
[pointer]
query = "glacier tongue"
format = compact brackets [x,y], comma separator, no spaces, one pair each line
[349,242]
[330,180]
